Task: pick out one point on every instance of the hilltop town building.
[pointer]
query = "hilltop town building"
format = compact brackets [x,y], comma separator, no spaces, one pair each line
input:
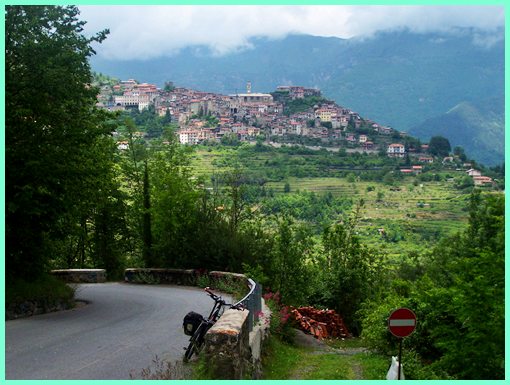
[396,150]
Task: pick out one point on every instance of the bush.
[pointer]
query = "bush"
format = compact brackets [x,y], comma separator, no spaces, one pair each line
[46,291]
[281,323]
[375,333]
[225,284]
[416,369]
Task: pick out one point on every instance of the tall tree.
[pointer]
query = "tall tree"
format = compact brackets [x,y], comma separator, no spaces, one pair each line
[439,146]
[292,246]
[53,130]
[459,151]
[174,201]
[147,219]
[351,270]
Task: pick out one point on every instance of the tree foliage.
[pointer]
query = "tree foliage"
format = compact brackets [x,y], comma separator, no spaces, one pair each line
[292,248]
[439,146]
[458,296]
[351,271]
[468,276]
[58,145]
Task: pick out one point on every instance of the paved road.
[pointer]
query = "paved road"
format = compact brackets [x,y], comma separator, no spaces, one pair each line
[119,332]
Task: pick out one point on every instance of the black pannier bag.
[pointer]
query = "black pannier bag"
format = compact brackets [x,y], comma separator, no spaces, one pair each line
[191,322]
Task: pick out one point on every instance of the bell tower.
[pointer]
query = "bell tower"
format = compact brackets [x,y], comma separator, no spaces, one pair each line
[248,87]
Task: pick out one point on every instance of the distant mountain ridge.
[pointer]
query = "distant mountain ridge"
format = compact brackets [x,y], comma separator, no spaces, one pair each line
[478,128]
[399,79]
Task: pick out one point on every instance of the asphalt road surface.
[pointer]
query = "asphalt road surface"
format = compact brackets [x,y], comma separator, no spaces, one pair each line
[120,331]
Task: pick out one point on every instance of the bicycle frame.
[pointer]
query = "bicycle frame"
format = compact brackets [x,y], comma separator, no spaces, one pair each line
[216,310]
[197,339]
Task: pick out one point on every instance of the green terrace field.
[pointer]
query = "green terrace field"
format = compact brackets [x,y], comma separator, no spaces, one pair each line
[406,215]
[276,164]
[396,218]
[204,162]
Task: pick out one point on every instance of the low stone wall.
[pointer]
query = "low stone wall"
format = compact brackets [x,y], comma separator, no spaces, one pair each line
[81,275]
[227,352]
[233,276]
[231,351]
[161,276]
[35,307]
[186,277]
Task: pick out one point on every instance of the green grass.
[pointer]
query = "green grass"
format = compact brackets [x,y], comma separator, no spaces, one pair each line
[328,367]
[374,366]
[280,359]
[205,163]
[283,361]
[361,366]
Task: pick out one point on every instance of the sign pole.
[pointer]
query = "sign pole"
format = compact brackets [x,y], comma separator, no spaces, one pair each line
[399,357]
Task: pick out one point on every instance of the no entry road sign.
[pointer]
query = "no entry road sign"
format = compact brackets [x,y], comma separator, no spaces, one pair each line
[402,322]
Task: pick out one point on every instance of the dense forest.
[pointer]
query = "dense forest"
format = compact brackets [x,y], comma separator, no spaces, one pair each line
[74,200]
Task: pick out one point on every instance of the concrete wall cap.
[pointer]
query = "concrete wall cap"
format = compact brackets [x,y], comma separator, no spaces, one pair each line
[224,273]
[159,270]
[78,271]
[231,322]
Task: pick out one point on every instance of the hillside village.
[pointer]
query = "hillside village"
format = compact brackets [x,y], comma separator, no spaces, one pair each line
[208,117]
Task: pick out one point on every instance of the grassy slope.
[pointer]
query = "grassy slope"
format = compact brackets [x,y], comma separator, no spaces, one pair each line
[407,225]
[284,362]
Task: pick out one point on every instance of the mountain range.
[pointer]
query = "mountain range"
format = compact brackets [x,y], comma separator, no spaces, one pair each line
[449,84]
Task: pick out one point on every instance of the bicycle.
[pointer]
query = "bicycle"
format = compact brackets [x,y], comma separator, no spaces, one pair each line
[197,326]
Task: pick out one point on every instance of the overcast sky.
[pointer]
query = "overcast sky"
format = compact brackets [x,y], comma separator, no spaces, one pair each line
[147,32]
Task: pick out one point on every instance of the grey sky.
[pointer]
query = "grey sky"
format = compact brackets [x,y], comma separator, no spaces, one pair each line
[146,32]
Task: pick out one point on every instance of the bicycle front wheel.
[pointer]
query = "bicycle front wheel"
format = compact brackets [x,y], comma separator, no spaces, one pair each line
[195,342]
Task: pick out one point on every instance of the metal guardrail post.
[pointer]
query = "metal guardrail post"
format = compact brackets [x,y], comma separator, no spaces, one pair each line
[252,302]
[258,301]
[250,315]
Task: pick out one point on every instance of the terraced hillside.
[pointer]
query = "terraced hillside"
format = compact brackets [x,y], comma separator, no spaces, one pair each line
[400,216]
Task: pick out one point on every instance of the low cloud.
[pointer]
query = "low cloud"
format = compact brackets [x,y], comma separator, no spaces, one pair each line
[145,32]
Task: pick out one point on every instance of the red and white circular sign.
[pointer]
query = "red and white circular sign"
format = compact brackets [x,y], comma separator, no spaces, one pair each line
[402,322]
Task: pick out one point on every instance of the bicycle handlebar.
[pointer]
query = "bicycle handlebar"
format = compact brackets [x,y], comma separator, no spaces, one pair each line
[217,298]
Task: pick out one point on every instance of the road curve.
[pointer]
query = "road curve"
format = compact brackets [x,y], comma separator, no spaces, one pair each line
[120,331]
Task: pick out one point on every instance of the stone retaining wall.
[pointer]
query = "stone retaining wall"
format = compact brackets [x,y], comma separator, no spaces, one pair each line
[227,352]
[81,275]
[162,276]
[186,277]
[35,307]
[231,351]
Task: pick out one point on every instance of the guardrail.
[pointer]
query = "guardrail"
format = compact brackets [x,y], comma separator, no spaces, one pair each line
[253,302]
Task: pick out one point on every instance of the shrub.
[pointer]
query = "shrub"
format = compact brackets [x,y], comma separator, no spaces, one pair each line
[46,288]
[281,322]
